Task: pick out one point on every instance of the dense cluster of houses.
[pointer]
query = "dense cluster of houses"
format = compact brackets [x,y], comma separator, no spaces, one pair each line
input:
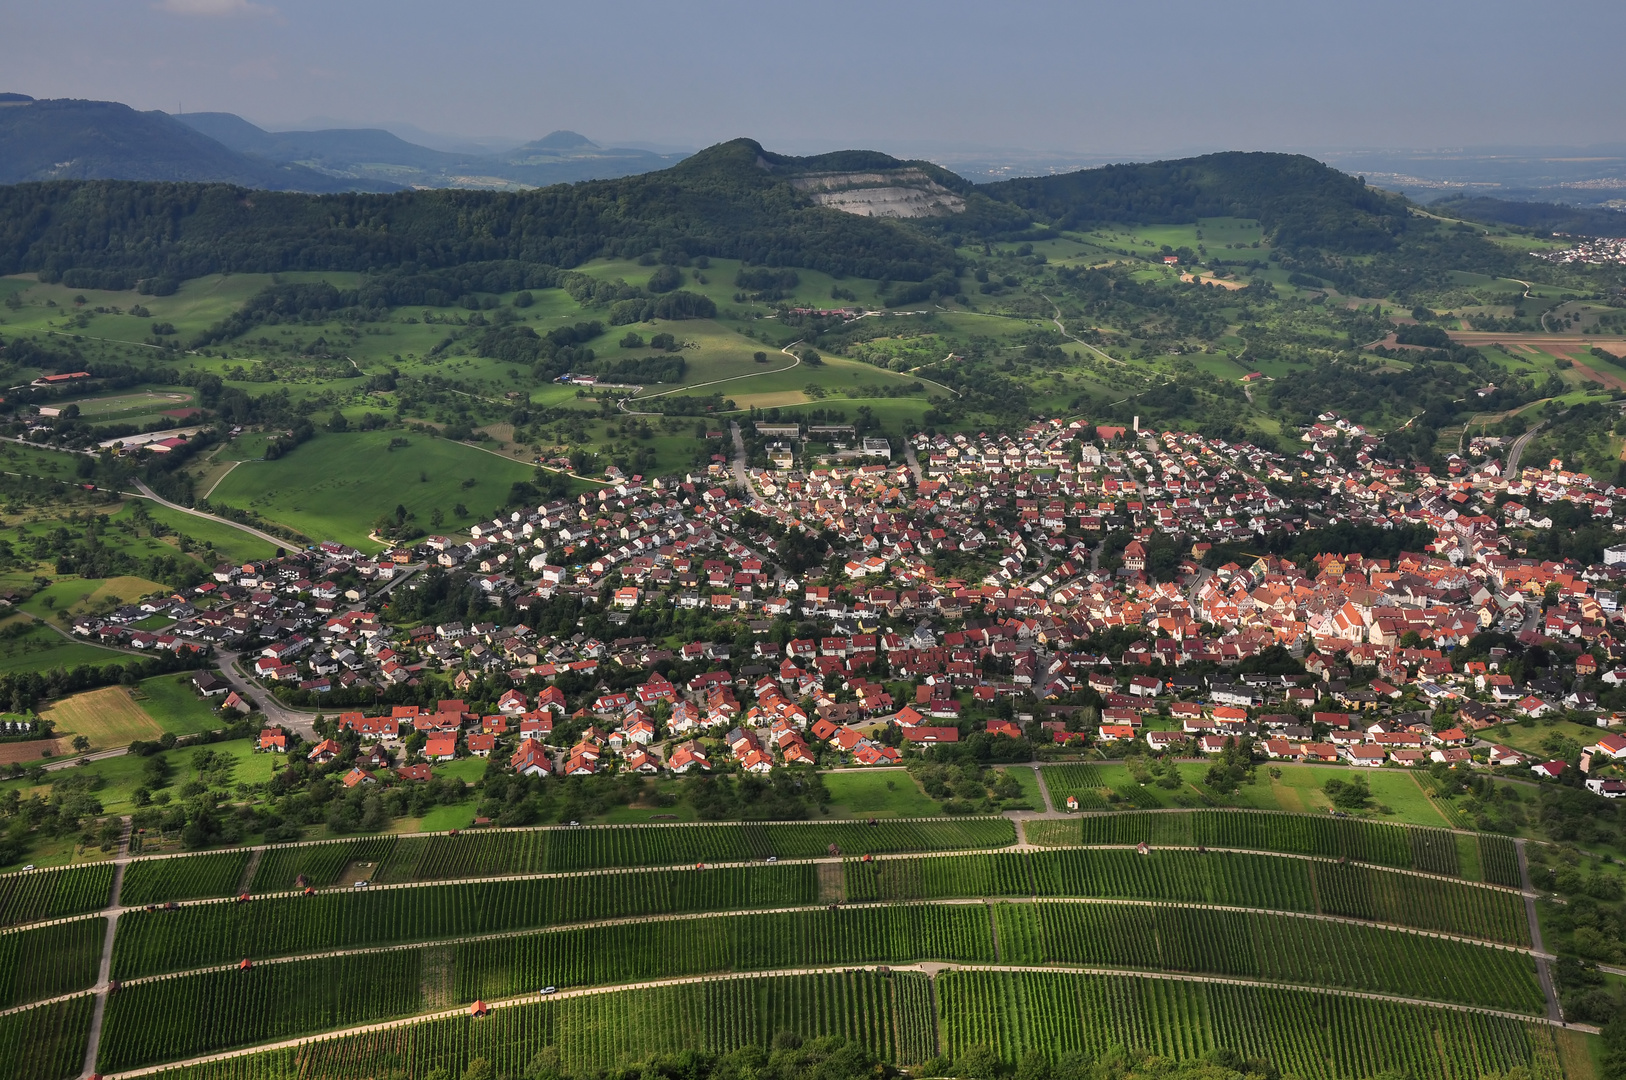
[1030,510]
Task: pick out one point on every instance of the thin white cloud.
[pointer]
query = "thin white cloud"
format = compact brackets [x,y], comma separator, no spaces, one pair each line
[213,8]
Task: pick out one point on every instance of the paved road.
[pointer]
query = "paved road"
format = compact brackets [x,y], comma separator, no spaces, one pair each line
[1514,454]
[1543,970]
[742,475]
[914,462]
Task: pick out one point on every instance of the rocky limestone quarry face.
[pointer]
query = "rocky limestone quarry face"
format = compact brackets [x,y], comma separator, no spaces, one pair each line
[906,193]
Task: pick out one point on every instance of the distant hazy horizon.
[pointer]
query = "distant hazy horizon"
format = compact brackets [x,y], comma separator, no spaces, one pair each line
[1069,77]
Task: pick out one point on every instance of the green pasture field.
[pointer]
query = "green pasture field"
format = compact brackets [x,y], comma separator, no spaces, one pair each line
[1298,789]
[176,706]
[69,596]
[888,793]
[232,545]
[456,816]
[37,461]
[195,306]
[1031,795]
[336,486]
[1148,240]
[43,649]
[812,291]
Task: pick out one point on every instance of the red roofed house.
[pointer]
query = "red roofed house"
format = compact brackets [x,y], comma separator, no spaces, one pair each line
[531,760]
[920,733]
[441,747]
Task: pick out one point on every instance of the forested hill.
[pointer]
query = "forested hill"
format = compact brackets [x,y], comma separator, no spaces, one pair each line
[734,200]
[1299,201]
[1542,217]
[66,139]
[722,202]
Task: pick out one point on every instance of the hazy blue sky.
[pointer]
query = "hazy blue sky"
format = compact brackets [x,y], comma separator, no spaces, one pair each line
[1086,76]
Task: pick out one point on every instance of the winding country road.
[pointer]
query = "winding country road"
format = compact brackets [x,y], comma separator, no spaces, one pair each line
[1519,444]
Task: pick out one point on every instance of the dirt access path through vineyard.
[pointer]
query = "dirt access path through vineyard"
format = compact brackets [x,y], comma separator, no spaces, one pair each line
[1544,972]
[929,969]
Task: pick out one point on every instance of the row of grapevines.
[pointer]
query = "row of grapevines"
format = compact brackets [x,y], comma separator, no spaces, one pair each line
[1404,846]
[47,961]
[1427,903]
[198,935]
[1274,948]
[1234,879]
[46,1042]
[185,1016]
[160,1020]
[321,864]
[32,895]
[578,1036]
[446,857]
[1499,861]
[599,955]
[1080,780]
[1304,1034]
[653,845]
[191,877]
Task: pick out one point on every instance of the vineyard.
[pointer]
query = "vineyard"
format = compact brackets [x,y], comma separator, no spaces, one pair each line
[1499,858]
[442,857]
[54,894]
[1083,782]
[48,961]
[165,1018]
[1075,944]
[1273,948]
[46,1042]
[1234,879]
[321,864]
[154,942]
[1308,1035]
[174,1018]
[155,881]
[1407,847]
[889,1014]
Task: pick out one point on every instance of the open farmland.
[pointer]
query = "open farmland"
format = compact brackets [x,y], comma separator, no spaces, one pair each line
[107,717]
